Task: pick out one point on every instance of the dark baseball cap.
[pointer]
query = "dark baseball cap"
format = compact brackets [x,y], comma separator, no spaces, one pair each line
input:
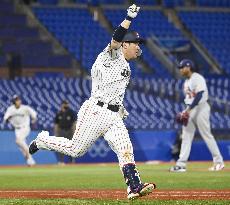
[133,36]
[186,63]
[14,98]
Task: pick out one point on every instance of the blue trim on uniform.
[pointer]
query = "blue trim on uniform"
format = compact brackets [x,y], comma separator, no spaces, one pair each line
[196,99]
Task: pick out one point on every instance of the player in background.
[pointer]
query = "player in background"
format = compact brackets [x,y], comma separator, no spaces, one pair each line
[18,115]
[198,110]
[102,114]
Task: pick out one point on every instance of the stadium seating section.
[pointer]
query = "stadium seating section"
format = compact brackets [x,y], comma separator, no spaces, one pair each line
[212,29]
[17,37]
[68,24]
[170,3]
[148,109]
[85,38]
[152,100]
[77,31]
[210,3]
[96,2]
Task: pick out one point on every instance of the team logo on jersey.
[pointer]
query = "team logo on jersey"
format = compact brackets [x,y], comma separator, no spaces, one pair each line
[125,73]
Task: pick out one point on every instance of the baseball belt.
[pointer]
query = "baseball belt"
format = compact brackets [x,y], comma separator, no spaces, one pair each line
[114,108]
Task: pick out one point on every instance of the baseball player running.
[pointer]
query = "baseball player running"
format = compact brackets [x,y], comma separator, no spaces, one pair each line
[19,116]
[102,114]
[197,114]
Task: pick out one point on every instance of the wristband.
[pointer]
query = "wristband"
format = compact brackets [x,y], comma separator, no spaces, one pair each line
[129,18]
[119,33]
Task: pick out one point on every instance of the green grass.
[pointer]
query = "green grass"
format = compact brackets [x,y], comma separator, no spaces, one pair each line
[110,177]
[104,176]
[107,202]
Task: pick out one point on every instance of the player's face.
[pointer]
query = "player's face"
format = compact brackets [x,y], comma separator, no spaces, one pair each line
[18,103]
[185,71]
[132,50]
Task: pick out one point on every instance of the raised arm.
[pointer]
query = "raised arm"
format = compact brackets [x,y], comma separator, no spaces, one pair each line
[122,29]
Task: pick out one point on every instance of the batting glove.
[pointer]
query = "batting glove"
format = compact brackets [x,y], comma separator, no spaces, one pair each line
[132,11]
[123,112]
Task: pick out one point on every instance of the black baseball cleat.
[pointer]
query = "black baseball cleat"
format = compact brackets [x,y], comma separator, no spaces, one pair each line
[33,147]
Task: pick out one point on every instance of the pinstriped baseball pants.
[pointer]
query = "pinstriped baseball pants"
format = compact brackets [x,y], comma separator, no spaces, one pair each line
[93,121]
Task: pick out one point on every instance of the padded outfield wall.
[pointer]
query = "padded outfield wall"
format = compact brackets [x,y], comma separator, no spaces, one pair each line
[148,146]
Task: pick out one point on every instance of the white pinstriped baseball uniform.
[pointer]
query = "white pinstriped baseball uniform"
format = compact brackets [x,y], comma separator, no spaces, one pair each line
[110,76]
[20,119]
[102,114]
[199,116]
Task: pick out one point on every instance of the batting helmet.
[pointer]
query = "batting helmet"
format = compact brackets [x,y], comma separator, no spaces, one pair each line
[133,36]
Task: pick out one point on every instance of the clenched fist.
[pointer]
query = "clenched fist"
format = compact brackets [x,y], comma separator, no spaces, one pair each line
[132,11]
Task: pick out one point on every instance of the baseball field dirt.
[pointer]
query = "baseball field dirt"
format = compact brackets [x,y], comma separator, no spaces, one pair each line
[103,184]
[116,194]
